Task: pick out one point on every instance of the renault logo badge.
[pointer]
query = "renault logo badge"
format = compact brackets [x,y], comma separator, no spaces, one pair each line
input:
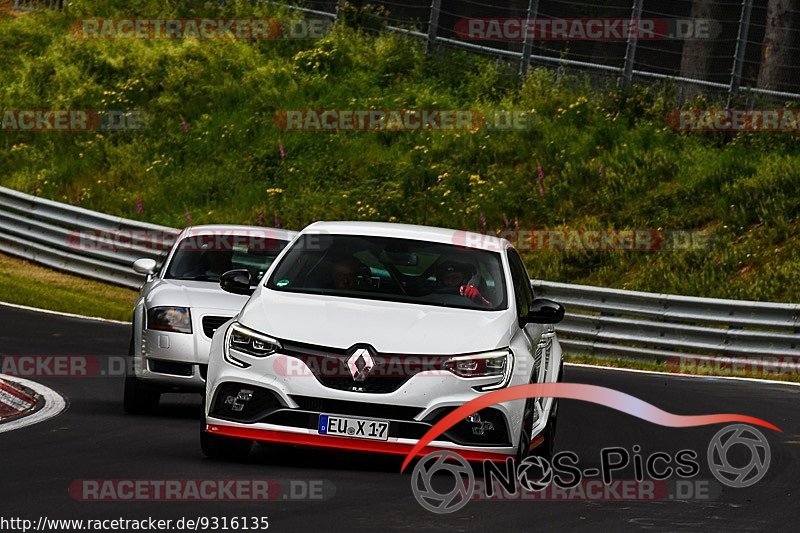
[360,363]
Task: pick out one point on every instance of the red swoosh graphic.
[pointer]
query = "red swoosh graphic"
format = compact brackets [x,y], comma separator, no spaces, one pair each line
[588,393]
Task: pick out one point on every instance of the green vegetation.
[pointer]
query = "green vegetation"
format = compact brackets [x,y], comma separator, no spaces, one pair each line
[25,283]
[608,159]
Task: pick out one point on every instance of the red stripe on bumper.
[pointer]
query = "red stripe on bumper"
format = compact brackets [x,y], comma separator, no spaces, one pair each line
[342,443]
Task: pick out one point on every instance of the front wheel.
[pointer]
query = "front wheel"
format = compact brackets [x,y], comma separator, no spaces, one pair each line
[547,448]
[138,398]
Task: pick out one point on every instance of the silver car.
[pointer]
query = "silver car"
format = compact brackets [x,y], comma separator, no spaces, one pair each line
[181,305]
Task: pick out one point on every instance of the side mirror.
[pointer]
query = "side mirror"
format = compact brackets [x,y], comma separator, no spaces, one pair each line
[236,282]
[544,311]
[145,266]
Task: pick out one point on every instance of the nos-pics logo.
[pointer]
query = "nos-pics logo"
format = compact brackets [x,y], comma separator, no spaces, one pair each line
[444,482]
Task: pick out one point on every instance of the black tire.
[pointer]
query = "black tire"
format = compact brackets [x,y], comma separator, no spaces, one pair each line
[523,450]
[547,448]
[138,398]
[223,448]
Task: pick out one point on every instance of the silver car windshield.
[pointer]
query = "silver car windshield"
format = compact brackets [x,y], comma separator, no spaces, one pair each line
[401,270]
[207,257]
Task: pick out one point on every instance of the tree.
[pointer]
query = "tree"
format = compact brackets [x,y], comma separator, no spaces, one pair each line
[696,58]
[778,55]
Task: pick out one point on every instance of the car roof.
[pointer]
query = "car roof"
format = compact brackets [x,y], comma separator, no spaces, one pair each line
[410,231]
[232,229]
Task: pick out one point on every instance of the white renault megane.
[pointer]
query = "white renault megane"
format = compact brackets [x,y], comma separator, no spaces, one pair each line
[364,335]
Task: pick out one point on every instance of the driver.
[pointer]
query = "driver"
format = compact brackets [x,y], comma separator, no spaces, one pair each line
[219,262]
[345,273]
[457,277]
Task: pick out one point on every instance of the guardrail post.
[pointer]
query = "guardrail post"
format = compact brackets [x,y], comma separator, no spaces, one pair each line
[527,45]
[630,49]
[741,47]
[433,25]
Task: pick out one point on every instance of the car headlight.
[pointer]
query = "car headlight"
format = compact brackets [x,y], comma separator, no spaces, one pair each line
[497,363]
[242,340]
[176,319]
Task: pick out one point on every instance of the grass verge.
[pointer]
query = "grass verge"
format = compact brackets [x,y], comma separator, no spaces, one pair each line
[25,283]
[210,150]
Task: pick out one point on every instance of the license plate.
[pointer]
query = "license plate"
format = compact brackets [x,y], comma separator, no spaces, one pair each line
[358,428]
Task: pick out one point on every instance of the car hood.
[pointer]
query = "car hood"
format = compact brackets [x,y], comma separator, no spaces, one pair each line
[193,294]
[389,327]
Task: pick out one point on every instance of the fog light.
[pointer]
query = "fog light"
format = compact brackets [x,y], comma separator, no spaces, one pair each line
[237,402]
[479,427]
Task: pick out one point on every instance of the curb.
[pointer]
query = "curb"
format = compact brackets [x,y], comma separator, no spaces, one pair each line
[24,403]
[17,401]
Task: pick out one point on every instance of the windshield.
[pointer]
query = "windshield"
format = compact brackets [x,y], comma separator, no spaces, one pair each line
[207,257]
[381,268]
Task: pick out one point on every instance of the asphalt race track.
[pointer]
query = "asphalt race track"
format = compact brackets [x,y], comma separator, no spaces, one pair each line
[94,439]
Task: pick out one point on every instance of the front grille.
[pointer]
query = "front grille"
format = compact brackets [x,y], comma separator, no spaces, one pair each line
[212,323]
[203,371]
[345,407]
[170,367]
[389,373]
[240,402]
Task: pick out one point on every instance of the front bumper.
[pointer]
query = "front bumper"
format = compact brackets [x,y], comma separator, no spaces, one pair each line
[176,361]
[286,409]
[399,447]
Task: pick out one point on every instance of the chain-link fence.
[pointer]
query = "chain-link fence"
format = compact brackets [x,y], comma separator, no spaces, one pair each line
[704,46]
[735,46]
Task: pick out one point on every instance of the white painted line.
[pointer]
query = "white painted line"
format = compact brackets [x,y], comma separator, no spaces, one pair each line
[54,404]
[677,375]
[59,313]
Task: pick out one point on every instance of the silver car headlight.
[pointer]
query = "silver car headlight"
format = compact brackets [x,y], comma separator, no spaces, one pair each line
[498,363]
[242,340]
[177,319]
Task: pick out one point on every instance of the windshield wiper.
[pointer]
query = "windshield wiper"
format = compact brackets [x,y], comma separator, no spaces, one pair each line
[199,277]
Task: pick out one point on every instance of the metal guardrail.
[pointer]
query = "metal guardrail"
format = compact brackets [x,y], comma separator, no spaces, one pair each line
[608,322]
[599,321]
[37,5]
[79,240]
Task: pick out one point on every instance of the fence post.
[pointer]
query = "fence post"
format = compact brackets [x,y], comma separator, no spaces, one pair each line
[339,9]
[527,44]
[741,46]
[630,49]
[433,25]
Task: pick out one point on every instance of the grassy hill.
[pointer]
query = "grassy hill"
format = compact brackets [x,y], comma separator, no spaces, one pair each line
[210,151]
